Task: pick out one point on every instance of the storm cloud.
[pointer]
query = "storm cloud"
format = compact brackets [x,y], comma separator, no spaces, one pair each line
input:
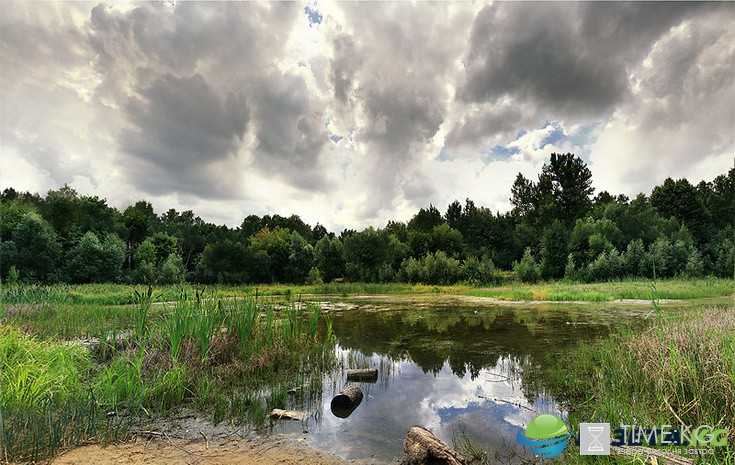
[353,114]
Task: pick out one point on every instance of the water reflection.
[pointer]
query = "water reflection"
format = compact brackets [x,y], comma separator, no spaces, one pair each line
[455,370]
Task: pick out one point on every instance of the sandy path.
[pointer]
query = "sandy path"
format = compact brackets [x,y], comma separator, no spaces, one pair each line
[163,451]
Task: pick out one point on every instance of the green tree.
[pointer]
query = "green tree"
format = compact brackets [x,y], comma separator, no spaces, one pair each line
[329,258]
[92,260]
[139,221]
[300,259]
[37,249]
[276,243]
[228,262]
[634,258]
[680,200]
[554,250]
[61,209]
[637,220]
[721,200]
[426,219]
[568,181]
[365,253]
[11,214]
[172,270]
[527,269]
[591,237]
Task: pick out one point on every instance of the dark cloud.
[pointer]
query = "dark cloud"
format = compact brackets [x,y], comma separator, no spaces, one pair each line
[343,67]
[487,122]
[181,126]
[571,59]
[291,133]
[530,51]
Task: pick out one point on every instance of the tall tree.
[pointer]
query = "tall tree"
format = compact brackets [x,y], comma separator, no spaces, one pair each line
[568,181]
[426,219]
[679,199]
[139,221]
[61,209]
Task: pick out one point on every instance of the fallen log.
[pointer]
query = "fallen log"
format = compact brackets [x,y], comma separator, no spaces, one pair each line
[369,375]
[424,448]
[288,414]
[344,403]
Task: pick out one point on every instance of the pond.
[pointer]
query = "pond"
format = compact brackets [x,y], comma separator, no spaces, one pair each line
[461,368]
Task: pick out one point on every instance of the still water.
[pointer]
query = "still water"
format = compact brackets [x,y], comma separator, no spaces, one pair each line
[459,368]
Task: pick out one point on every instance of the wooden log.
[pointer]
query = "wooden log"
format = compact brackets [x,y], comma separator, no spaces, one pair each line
[424,448]
[344,403]
[369,375]
[289,414]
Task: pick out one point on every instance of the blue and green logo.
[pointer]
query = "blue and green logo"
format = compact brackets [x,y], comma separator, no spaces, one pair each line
[546,436]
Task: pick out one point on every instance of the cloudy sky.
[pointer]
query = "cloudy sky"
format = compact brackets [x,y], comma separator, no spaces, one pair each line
[351,114]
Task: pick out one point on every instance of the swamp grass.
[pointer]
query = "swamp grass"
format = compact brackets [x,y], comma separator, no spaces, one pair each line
[234,356]
[679,371]
[674,288]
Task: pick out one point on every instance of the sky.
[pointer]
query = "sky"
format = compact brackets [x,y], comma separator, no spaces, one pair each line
[352,114]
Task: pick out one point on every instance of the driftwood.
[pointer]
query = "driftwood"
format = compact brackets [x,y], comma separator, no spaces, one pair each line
[654,456]
[424,448]
[344,403]
[289,414]
[369,375]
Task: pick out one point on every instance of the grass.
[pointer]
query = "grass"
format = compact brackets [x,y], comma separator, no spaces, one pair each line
[222,356]
[614,290]
[681,371]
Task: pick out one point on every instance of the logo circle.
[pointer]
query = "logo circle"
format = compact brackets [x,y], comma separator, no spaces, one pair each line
[546,435]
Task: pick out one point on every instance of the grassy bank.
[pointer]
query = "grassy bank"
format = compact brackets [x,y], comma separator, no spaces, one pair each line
[681,371]
[106,295]
[614,290]
[227,357]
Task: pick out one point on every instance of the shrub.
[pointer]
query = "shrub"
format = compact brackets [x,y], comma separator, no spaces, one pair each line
[314,277]
[527,270]
[172,270]
[695,264]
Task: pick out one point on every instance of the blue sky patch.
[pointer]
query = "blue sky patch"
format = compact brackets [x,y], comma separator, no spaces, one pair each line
[313,14]
[500,152]
[556,135]
[444,155]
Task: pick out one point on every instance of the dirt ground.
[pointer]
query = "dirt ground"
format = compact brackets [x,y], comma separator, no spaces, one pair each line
[190,440]
[159,450]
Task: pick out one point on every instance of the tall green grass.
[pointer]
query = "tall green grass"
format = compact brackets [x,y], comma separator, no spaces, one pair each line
[231,355]
[45,404]
[680,370]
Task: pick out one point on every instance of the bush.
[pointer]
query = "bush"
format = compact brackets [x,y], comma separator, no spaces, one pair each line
[570,270]
[172,270]
[634,258]
[314,277]
[695,264]
[527,270]
[482,271]
[431,269]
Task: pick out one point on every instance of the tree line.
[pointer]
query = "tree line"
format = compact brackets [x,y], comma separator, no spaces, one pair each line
[556,229]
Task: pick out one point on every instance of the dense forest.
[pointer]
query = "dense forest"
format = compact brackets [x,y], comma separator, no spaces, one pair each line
[557,229]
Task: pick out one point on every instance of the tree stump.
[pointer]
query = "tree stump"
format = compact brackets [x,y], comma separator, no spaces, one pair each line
[344,403]
[423,448]
[369,375]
